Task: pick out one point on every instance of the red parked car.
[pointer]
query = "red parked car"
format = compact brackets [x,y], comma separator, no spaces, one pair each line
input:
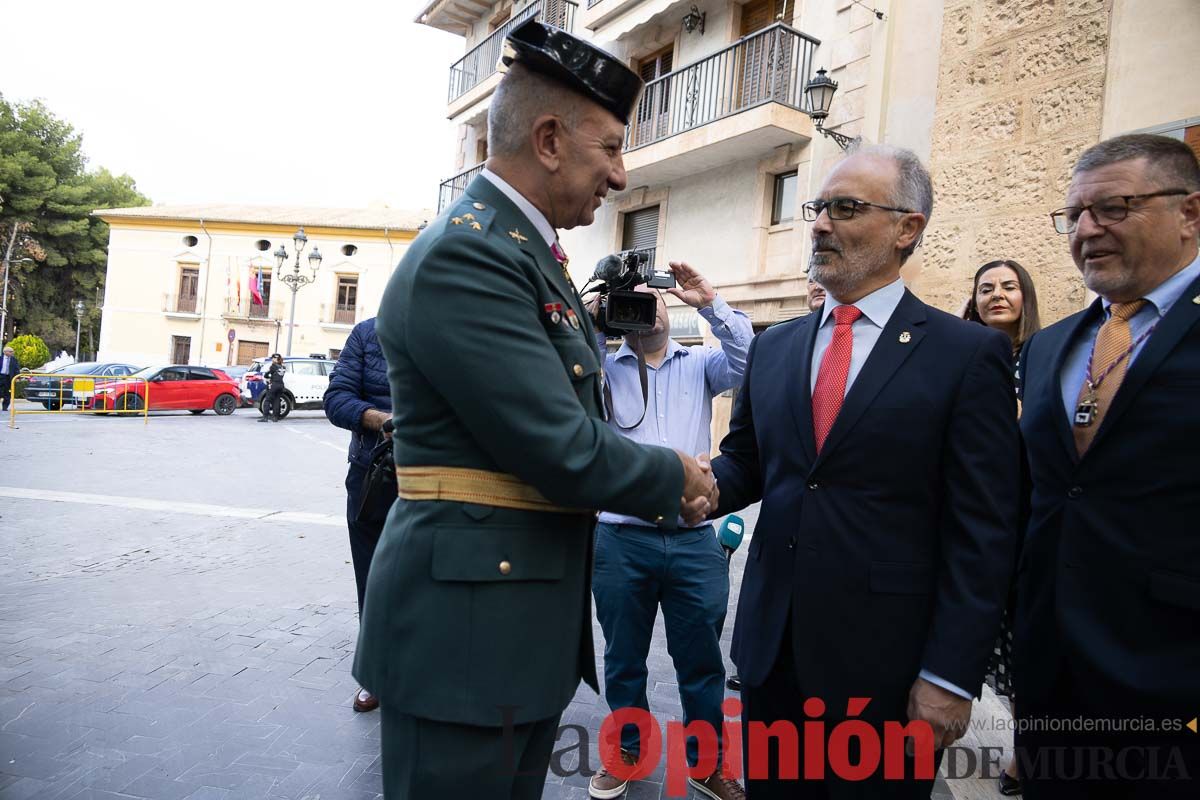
[174,387]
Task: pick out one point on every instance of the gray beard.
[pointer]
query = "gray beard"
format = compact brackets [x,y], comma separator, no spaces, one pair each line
[840,280]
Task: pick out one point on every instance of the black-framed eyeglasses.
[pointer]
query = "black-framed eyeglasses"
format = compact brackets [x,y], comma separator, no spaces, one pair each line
[1105,211]
[842,208]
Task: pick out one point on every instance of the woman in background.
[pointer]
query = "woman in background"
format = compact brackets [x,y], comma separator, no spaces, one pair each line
[1004,298]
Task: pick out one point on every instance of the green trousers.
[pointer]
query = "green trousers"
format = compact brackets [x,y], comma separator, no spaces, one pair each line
[423,758]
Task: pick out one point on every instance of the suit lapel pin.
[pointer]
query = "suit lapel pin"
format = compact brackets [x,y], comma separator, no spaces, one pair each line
[1196,299]
[905,337]
[517,235]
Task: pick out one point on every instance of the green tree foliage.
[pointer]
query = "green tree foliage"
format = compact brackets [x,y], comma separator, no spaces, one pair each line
[47,195]
[30,350]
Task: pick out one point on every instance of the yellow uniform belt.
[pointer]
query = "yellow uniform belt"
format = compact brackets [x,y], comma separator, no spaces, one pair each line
[464,485]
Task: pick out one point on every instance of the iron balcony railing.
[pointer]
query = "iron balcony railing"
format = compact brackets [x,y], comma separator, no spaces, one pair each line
[477,65]
[593,3]
[770,66]
[452,188]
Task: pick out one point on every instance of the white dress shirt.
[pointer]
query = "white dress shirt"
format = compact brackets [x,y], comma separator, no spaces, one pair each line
[527,208]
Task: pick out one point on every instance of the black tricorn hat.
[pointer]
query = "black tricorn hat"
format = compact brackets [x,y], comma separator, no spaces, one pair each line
[588,70]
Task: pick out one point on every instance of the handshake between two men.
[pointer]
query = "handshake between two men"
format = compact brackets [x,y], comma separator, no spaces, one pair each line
[700,493]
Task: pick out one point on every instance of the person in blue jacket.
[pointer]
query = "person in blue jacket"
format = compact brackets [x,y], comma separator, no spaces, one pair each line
[358,400]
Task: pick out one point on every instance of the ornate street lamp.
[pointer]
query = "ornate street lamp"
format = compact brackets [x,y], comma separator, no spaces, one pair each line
[819,93]
[79,311]
[294,280]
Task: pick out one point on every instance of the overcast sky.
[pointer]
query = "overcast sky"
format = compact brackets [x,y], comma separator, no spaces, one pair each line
[257,101]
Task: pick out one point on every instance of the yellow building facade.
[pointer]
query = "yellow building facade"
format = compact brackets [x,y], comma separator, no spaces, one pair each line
[180,280]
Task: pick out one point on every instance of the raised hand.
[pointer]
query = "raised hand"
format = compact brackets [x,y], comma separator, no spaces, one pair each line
[694,289]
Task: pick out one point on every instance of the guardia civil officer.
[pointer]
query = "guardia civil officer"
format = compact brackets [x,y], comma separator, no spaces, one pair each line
[476,628]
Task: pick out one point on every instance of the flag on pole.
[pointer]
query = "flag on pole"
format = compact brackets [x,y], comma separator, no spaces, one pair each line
[256,288]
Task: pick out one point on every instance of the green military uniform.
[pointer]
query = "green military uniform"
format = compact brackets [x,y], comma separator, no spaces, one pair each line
[472,610]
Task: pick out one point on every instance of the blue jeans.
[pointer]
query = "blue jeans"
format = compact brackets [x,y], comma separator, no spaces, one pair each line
[637,569]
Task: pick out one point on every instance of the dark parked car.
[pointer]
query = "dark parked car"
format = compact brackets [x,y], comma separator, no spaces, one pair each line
[54,392]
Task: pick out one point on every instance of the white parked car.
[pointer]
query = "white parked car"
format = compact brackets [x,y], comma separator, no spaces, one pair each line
[304,383]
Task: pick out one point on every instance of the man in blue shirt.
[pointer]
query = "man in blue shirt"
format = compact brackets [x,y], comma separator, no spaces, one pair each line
[638,565]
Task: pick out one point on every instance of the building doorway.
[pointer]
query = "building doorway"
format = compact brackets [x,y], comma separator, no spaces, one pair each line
[247,351]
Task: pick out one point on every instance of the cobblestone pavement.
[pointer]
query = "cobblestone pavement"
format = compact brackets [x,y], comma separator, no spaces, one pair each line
[177,616]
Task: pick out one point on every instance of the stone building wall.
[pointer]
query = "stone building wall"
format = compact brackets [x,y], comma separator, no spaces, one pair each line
[1020,94]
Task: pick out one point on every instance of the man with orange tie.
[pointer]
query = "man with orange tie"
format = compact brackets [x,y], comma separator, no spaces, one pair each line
[881,436]
[1107,629]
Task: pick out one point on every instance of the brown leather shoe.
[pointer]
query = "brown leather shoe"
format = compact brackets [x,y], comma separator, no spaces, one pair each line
[365,701]
[605,786]
[719,787]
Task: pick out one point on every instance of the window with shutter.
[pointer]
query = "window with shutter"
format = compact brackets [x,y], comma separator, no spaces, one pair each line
[189,284]
[653,108]
[764,72]
[641,229]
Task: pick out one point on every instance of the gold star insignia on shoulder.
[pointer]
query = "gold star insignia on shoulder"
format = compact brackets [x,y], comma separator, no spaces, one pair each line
[475,226]
[518,236]
[479,206]
[456,220]
[468,216]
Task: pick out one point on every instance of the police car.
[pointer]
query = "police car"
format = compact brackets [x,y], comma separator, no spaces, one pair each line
[304,383]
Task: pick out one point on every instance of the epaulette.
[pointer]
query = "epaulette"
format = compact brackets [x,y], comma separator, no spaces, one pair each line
[470,216]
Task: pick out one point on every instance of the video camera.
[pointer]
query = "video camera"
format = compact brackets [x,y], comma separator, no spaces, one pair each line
[621,309]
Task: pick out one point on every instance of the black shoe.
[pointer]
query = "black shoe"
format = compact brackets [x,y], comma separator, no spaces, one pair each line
[733,683]
[263,419]
[1009,786]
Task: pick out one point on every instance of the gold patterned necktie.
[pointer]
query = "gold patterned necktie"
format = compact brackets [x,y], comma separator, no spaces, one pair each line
[1106,370]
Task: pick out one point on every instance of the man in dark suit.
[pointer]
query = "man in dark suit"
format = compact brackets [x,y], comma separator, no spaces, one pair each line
[477,624]
[9,367]
[1108,587]
[880,435]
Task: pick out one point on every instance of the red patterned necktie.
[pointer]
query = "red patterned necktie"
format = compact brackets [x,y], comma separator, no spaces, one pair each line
[831,377]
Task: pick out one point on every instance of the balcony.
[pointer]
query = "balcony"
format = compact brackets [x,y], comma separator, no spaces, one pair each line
[474,77]
[248,310]
[739,103]
[180,306]
[452,188]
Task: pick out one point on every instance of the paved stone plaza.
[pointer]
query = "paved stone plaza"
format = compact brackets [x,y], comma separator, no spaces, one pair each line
[177,615]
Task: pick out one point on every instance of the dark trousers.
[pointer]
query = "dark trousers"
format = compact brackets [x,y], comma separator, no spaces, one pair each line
[270,407]
[636,570]
[1075,764]
[779,698]
[363,536]
[428,760]
[6,390]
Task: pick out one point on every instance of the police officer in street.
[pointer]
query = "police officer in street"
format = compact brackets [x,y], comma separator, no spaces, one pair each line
[274,378]
[477,624]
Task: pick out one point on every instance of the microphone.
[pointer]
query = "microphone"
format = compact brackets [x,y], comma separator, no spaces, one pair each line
[730,535]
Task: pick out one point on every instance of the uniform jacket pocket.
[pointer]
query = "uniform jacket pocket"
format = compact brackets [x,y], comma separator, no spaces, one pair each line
[497,553]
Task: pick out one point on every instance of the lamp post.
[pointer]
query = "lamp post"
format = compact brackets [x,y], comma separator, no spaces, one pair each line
[294,279]
[4,302]
[819,93]
[78,325]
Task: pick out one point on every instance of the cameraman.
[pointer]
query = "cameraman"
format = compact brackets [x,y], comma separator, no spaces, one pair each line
[638,565]
[359,400]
